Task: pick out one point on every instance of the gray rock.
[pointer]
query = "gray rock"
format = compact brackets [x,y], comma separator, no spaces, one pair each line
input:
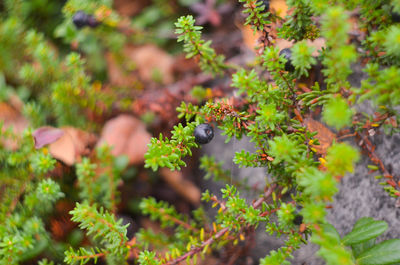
[359,193]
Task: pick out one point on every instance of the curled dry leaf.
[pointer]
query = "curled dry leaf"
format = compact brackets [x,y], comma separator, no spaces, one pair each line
[46,135]
[184,187]
[12,118]
[150,63]
[72,145]
[128,136]
[324,136]
[149,60]
[116,74]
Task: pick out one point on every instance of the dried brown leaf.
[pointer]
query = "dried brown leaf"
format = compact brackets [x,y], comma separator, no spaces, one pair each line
[151,64]
[149,60]
[72,145]
[129,7]
[46,135]
[279,7]
[184,187]
[249,37]
[117,75]
[324,135]
[128,136]
[12,118]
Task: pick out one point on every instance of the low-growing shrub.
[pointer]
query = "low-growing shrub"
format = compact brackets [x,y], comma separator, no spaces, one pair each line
[275,101]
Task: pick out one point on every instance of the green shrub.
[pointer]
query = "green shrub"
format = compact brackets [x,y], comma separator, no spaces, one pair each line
[59,87]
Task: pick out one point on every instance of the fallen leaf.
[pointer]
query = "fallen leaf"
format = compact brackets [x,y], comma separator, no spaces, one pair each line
[129,7]
[249,37]
[279,7]
[151,60]
[12,118]
[324,135]
[184,187]
[15,102]
[46,135]
[117,75]
[72,145]
[128,136]
[150,64]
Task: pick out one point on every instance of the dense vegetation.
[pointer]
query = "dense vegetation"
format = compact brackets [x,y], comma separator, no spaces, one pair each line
[85,84]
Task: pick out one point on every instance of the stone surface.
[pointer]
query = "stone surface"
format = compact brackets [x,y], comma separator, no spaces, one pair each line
[359,194]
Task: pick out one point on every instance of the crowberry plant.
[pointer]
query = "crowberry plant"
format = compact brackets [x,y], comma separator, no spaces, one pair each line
[66,209]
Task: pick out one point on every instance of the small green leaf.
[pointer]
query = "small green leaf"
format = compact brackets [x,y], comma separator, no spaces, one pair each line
[363,221]
[360,248]
[365,230]
[341,158]
[337,113]
[386,252]
[331,230]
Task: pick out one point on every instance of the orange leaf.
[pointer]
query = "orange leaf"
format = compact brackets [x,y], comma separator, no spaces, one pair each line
[279,7]
[46,135]
[184,187]
[71,145]
[12,118]
[249,37]
[128,136]
[324,135]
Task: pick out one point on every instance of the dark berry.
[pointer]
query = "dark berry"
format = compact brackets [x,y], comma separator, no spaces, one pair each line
[395,17]
[92,22]
[265,3]
[298,219]
[80,19]
[126,219]
[203,133]
[287,53]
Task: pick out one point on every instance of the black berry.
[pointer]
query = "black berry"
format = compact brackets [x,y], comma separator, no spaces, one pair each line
[298,219]
[287,53]
[265,3]
[126,219]
[203,133]
[81,19]
[92,22]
